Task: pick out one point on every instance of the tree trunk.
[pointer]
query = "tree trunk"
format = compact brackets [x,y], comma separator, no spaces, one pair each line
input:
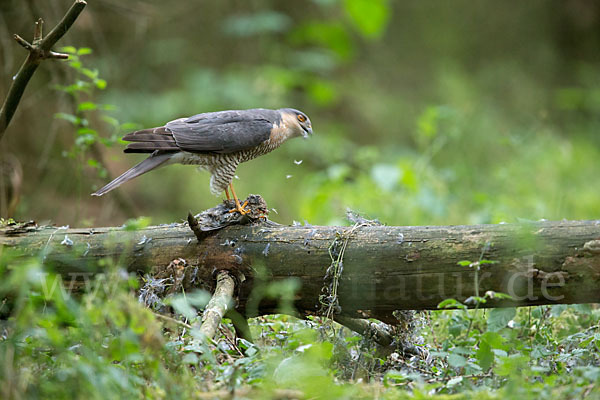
[383,269]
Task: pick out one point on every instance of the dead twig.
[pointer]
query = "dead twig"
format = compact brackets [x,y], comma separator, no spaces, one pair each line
[39,49]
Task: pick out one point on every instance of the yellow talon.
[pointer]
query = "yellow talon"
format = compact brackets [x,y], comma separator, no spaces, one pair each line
[239,208]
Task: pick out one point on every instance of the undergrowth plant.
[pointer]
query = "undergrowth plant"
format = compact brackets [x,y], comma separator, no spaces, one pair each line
[92,121]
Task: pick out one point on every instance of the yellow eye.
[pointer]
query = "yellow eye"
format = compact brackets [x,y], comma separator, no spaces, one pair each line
[301,118]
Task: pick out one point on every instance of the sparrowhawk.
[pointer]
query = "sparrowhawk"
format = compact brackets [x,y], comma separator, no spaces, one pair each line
[215,141]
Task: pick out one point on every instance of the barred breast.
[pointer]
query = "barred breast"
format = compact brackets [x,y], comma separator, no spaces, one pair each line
[222,166]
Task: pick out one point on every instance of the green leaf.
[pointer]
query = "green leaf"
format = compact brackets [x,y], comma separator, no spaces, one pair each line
[499,317]
[198,298]
[86,131]
[557,309]
[500,353]
[494,340]
[183,307]
[68,49]
[462,350]
[586,342]
[90,73]
[111,121]
[85,140]
[331,36]
[86,105]
[100,84]
[454,381]
[83,51]
[464,263]
[475,300]
[456,360]
[484,355]
[135,224]
[393,377]
[370,17]
[451,303]
[190,358]
[582,308]
[68,117]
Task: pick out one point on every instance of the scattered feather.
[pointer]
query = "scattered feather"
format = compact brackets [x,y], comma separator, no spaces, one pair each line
[265,252]
[85,253]
[67,242]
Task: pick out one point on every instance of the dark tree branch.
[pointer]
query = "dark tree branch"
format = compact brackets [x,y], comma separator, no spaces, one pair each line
[64,25]
[39,50]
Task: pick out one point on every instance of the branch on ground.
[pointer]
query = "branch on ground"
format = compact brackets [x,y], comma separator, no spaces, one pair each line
[382,334]
[219,304]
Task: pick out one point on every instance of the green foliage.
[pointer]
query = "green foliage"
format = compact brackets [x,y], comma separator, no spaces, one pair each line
[103,343]
[88,118]
[369,16]
[135,224]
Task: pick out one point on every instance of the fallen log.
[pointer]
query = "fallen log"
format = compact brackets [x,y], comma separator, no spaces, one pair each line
[383,269]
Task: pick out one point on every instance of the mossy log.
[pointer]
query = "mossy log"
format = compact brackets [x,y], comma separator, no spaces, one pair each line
[384,268]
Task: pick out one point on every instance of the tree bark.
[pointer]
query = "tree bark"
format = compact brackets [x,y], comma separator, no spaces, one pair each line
[384,268]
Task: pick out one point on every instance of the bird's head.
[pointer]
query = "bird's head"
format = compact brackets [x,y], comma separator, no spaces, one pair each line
[298,121]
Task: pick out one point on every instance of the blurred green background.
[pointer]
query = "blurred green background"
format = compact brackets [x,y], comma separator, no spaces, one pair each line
[424,112]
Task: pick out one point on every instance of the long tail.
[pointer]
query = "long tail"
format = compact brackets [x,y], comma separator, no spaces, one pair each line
[148,164]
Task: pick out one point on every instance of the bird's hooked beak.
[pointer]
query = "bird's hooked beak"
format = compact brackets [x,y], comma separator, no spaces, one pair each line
[306,131]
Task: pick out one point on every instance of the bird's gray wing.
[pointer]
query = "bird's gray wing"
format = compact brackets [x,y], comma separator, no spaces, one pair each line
[224,131]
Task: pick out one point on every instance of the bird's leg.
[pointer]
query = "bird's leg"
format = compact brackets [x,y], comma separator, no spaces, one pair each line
[239,208]
[227,194]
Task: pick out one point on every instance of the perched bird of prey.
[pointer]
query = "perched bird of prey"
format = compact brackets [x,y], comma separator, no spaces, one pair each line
[215,141]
